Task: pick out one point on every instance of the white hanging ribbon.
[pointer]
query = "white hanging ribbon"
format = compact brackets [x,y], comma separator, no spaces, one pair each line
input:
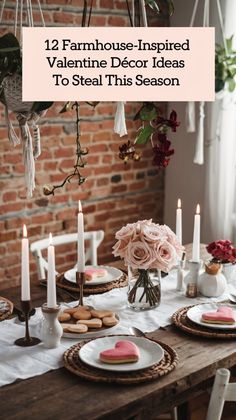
[190,108]
[144,14]
[190,117]
[2,9]
[120,123]
[28,157]
[199,150]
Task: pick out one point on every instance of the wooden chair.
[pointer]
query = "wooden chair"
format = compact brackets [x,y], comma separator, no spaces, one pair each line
[92,239]
[222,391]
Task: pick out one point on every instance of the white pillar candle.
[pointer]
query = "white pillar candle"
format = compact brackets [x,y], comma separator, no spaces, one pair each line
[179,221]
[25,276]
[51,283]
[196,236]
[80,248]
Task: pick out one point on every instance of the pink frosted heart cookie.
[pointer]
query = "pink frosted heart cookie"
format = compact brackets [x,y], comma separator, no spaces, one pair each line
[94,273]
[223,315]
[123,352]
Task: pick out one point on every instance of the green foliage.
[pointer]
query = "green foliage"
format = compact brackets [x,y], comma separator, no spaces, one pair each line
[225,66]
[144,134]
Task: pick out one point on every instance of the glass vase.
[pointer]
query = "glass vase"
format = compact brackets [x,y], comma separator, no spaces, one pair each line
[144,290]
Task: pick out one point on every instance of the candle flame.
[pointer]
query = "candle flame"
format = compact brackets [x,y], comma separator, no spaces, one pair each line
[179,203]
[198,209]
[80,207]
[24,232]
[50,238]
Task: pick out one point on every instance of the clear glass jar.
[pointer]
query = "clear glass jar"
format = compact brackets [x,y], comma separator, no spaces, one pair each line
[144,289]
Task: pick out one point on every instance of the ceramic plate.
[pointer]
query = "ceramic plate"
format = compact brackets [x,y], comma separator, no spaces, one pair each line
[150,353]
[112,274]
[92,333]
[195,315]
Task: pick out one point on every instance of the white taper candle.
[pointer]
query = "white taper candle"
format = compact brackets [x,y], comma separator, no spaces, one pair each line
[179,221]
[196,236]
[80,249]
[51,283]
[25,276]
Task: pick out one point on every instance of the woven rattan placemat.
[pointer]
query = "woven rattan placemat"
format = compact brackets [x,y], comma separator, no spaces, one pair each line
[92,289]
[181,321]
[7,308]
[75,365]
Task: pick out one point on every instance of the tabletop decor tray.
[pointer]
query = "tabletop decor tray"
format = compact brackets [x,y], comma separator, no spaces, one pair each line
[92,289]
[6,308]
[180,320]
[74,364]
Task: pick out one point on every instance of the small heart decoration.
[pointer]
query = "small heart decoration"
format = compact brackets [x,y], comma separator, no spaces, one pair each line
[223,314]
[122,350]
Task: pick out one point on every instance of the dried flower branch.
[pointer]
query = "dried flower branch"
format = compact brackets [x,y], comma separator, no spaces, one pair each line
[80,163]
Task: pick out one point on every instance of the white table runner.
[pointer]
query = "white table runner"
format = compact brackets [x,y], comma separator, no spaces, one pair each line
[25,362]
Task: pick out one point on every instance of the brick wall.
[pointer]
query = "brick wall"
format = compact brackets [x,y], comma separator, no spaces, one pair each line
[113,194]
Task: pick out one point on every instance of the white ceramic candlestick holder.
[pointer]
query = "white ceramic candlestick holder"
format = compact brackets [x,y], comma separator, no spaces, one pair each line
[180,276]
[191,278]
[51,328]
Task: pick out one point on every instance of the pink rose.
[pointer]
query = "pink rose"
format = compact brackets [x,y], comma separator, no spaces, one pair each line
[152,233]
[166,256]
[127,232]
[119,248]
[173,240]
[139,255]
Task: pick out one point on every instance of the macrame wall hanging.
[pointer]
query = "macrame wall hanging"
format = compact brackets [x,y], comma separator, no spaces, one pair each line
[27,113]
[190,109]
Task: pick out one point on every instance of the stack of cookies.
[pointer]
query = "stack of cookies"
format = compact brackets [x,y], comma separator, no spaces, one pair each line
[83,319]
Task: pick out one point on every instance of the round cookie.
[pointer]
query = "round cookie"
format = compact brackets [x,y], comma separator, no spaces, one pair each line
[77,328]
[65,327]
[71,311]
[91,323]
[101,313]
[109,321]
[82,314]
[63,317]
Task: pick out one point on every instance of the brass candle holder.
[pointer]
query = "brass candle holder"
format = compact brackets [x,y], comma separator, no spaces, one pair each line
[27,340]
[80,280]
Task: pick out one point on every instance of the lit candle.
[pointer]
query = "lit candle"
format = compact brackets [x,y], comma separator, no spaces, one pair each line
[25,277]
[80,249]
[51,283]
[179,221]
[196,236]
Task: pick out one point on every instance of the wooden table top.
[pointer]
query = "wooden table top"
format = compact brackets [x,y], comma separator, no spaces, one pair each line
[61,395]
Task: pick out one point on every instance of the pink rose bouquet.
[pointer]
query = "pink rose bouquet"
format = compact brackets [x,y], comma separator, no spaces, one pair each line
[145,245]
[222,251]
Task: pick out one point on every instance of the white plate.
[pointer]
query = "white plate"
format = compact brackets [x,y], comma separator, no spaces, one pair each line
[195,315]
[150,353]
[91,334]
[112,274]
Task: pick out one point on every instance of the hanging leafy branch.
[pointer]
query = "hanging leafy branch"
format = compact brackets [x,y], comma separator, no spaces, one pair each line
[154,129]
[225,66]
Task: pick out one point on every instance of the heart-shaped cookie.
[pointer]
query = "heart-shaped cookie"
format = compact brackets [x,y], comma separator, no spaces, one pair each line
[223,315]
[123,352]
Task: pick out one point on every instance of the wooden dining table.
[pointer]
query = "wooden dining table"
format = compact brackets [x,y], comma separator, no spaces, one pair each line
[59,394]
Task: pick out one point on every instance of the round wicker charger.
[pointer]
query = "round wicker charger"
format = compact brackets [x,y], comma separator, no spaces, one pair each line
[92,289]
[181,321]
[7,310]
[73,363]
